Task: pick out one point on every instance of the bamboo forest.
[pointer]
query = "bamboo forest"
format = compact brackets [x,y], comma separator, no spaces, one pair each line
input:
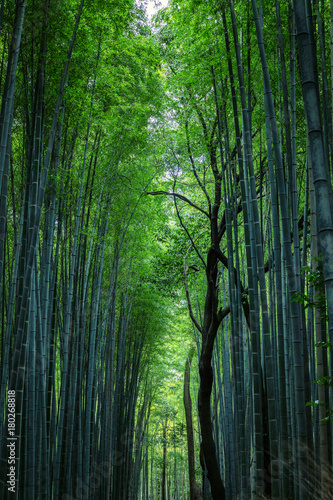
[166,249]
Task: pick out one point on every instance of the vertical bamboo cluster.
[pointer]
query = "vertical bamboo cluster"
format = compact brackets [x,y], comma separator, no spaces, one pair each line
[75,325]
[266,189]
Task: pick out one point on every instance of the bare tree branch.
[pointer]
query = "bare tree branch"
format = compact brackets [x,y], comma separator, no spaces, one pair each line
[189,303]
[223,313]
[185,228]
[181,197]
[194,169]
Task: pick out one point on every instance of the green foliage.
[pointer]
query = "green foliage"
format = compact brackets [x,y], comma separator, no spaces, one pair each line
[315,279]
[314,404]
[149,109]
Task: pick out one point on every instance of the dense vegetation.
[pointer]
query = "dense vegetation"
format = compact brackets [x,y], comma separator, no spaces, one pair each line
[166,250]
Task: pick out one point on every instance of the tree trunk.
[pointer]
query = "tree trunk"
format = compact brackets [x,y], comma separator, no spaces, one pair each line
[210,326]
[194,488]
[163,483]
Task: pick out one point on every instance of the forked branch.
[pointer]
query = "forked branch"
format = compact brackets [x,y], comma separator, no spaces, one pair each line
[181,197]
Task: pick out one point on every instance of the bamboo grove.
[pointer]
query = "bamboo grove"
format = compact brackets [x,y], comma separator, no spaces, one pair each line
[166,250]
